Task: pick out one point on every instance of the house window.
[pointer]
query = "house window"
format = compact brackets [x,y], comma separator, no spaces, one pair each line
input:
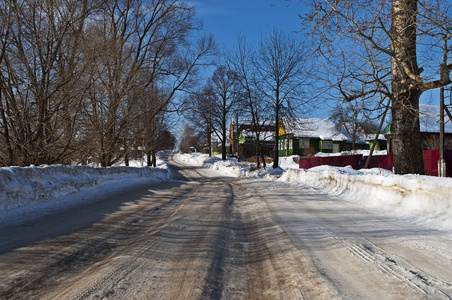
[290,144]
[304,143]
[327,145]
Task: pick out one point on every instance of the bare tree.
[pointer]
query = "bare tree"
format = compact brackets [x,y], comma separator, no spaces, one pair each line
[7,151]
[432,141]
[349,118]
[354,119]
[240,60]
[280,60]
[389,33]
[74,74]
[41,70]
[224,87]
[199,109]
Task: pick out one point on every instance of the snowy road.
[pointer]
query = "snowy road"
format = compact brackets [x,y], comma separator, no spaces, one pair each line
[211,237]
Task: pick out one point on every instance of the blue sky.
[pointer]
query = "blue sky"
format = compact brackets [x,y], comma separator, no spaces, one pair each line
[227,19]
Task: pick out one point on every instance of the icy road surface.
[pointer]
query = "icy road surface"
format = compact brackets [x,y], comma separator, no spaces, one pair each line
[209,237]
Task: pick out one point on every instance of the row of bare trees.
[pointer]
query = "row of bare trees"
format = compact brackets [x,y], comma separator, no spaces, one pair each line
[260,82]
[90,79]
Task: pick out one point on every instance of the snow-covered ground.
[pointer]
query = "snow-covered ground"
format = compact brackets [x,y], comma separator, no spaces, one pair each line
[28,192]
[420,199]
[31,192]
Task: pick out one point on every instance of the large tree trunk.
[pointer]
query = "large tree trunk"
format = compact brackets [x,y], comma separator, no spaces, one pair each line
[408,156]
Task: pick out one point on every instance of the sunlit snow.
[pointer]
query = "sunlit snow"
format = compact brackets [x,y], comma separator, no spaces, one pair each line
[33,191]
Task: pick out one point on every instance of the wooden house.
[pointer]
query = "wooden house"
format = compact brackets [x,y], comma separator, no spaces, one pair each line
[308,136]
[244,143]
[429,127]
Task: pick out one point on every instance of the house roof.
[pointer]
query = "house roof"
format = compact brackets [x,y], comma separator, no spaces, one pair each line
[371,137]
[324,129]
[264,135]
[241,122]
[429,119]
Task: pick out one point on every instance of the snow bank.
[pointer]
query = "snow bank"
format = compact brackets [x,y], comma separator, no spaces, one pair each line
[33,191]
[424,200]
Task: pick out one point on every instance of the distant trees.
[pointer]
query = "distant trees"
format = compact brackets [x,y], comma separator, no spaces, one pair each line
[83,79]
[397,49]
[224,87]
[212,107]
[242,59]
[189,139]
[256,79]
[199,111]
[351,117]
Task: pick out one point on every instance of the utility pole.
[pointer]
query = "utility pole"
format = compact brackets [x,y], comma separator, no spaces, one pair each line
[443,108]
[441,162]
[237,135]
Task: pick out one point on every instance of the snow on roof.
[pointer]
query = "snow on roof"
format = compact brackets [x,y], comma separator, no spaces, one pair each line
[264,122]
[363,138]
[324,129]
[264,135]
[371,137]
[429,119]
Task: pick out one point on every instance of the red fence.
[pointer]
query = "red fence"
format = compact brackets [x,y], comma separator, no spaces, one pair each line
[337,161]
[380,161]
[431,158]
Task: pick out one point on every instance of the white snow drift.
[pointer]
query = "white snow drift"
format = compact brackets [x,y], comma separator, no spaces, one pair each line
[27,192]
[33,191]
[421,199]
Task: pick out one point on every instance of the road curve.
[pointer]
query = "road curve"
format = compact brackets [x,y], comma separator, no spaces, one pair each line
[203,236]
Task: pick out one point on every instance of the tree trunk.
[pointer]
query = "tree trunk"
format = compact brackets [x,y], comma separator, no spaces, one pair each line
[263,158]
[408,156]
[126,160]
[276,156]
[223,142]
[149,158]
[209,139]
[154,159]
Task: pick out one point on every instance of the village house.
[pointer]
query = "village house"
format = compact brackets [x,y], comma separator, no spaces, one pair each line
[297,136]
[308,136]
[244,144]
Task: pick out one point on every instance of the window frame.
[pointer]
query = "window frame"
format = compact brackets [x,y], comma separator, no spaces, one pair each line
[328,143]
[304,139]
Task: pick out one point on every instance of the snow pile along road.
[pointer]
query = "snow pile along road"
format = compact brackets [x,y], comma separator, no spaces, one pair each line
[421,199]
[33,191]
